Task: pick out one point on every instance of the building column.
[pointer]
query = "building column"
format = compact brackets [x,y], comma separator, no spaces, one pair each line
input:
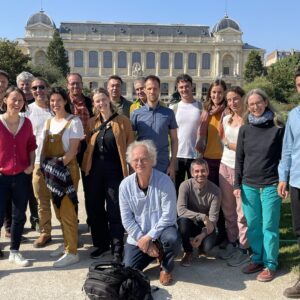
[185,62]
[143,61]
[217,64]
[171,63]
[71,59]
[100,66]
[129,64]
[157,63]
[115,61]
[199,63]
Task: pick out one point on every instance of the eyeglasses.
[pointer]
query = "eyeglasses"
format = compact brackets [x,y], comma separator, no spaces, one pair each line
[41,87]
[140,160]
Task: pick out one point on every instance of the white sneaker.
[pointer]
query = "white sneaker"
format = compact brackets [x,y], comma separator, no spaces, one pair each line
[17,258]
[58,252]
[66,260]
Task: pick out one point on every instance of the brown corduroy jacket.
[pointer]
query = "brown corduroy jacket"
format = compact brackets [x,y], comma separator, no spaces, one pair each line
[122,130]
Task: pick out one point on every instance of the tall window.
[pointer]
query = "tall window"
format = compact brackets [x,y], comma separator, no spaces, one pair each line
[150,60]
[122,59]
[206,61]
[164,60]
[136,57]
[93,59]
[192,61]
[78,59]
[178,60]
[107,59]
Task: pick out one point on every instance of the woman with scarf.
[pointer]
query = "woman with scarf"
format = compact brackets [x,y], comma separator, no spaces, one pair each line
[209,144]
[256,177]
[105,166]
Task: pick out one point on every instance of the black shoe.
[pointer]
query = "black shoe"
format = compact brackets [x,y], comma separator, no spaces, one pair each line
[1,254]
[117,258]
[98,252]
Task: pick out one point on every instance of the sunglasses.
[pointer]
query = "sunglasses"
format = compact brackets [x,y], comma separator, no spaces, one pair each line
[41,87]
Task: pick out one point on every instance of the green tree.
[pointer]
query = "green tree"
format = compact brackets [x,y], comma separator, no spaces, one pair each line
[56,54]
[12,59]
[253,67]
[281,75]
[50,73]
[261,83]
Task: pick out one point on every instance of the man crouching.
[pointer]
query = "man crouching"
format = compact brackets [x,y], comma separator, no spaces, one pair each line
[148,212]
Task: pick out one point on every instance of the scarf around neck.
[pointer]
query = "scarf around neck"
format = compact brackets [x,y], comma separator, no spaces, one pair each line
[266,116]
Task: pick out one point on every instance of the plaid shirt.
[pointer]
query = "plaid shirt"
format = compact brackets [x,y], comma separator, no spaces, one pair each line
[79,109]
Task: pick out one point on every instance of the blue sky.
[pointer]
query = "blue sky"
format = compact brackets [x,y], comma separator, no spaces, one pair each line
[269,24]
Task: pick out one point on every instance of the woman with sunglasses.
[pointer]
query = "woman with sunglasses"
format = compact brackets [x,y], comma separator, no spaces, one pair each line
[17,155]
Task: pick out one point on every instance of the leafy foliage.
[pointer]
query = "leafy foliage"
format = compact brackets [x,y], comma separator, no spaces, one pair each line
[281,75]
[12,59]
[253,67]
[262,83]
[56,54]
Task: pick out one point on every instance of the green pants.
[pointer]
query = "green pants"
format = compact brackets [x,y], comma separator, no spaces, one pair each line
[261,207]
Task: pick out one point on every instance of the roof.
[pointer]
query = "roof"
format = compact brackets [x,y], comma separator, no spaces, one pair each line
[225,23]
[40,18]
[136,29]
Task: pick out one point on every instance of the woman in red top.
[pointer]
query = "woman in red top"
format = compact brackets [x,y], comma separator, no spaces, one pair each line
[17,154]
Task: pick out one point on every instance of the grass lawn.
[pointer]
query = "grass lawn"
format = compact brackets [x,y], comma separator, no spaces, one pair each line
[289,257]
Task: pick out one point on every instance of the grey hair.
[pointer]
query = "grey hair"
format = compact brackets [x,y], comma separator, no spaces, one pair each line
[148,144]
[277,118]
[139,79]
[24,76]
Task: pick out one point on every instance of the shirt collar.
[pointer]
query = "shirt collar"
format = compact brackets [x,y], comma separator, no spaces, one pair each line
[150,108]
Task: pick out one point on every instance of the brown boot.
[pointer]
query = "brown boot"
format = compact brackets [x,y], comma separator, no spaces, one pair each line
[42,240]
[165,278]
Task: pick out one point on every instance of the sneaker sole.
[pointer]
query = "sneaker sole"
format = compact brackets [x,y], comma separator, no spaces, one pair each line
[238,263]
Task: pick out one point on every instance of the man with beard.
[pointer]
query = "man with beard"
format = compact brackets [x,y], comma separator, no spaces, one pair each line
[198,208]
[114,87]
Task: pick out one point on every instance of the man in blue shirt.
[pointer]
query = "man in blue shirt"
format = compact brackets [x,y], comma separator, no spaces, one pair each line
[157,123]
[148,211]
[289,170]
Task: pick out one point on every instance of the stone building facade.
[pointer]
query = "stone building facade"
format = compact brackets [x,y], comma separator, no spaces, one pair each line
[98,50]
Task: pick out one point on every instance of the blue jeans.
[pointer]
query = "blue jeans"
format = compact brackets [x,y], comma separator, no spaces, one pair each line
[16,188]
[170,242]
[261,207]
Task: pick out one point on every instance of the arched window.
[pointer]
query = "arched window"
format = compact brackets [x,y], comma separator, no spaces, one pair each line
[136,57]
[178,60]
[150,60]
[122,59]
[93,59]
[192,61]
[78,59]
[206,61]
[227,63]
[164,60]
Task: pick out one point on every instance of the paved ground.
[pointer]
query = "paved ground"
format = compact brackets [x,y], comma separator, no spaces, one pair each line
[208,278]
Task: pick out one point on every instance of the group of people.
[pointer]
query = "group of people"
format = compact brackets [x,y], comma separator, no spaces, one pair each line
[195,174]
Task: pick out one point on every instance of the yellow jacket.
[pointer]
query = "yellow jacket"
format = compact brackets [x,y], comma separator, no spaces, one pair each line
[122,130]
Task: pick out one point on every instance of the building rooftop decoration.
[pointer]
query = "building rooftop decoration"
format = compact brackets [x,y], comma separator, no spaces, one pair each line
[225,23]
[40,18]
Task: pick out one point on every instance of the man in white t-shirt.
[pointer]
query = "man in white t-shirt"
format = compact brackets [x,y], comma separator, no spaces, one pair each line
[38,112]
[187,113]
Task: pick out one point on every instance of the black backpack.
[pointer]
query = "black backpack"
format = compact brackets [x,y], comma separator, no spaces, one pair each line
[112,281]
